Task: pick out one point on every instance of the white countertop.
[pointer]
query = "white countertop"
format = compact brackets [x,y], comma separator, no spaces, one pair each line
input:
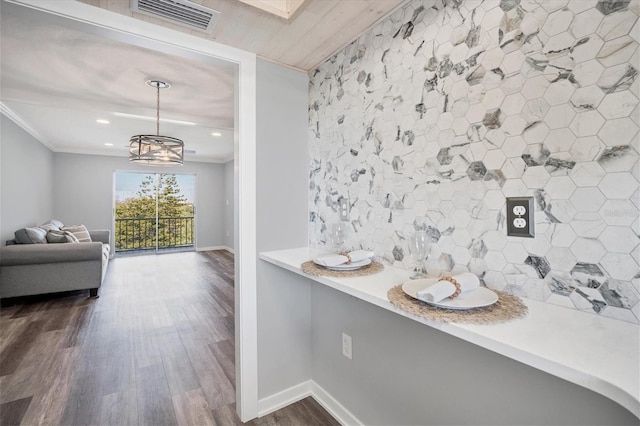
[595,352]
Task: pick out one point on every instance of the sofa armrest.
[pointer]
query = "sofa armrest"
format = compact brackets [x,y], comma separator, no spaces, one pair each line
[29,254]
[102,235]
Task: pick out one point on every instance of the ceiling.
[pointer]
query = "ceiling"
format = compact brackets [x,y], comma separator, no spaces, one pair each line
[88,77]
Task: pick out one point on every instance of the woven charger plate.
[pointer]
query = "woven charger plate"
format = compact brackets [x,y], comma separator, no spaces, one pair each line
[309,267]
[508,307]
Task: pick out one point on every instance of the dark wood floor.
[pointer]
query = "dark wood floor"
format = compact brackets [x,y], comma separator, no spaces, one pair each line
[157,348]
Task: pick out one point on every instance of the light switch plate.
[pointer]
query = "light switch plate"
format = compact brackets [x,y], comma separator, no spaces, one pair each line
[520,220]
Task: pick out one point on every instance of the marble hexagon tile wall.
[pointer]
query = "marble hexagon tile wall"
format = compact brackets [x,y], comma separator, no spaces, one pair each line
[433,117]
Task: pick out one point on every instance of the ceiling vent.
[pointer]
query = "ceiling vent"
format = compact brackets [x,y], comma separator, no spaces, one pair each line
[180,12]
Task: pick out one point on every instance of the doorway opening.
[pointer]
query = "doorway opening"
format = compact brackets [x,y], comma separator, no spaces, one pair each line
[154,212]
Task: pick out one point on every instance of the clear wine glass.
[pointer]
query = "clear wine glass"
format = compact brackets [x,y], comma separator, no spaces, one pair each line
[337,235]
[419,248]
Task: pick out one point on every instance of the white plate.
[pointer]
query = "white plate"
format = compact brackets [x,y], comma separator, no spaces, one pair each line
[477,298]
[350,267]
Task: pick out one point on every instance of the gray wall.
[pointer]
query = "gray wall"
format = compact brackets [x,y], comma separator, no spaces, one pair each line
[284,329]
[25,180]
[228,203]
[406,373]
[89,200]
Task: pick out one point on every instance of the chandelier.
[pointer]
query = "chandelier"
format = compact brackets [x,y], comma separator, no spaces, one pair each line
[156,150]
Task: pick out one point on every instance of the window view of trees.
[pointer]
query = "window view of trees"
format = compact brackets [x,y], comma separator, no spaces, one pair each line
[136,225]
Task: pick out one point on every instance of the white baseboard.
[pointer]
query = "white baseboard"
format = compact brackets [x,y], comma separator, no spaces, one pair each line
[282,399]
[300,391]
[230,250]
[329,403]
[211,248]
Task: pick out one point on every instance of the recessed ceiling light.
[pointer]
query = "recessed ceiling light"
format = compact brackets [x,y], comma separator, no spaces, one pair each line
[108,144]
[216,134]
[102,121]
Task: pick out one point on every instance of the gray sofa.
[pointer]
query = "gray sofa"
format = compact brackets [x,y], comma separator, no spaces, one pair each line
[30,269]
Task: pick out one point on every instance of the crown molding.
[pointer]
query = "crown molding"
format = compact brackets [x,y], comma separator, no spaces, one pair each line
[16,118]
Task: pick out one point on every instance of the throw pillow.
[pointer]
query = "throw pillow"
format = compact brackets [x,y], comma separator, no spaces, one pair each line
[80,231]
[49,227]
[56,223]
[31,236]
[56,236]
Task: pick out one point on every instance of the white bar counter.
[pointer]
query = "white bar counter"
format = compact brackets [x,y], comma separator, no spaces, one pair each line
[598,353]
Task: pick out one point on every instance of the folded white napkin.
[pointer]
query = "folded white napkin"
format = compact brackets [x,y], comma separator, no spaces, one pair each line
[339,259]
[443,289]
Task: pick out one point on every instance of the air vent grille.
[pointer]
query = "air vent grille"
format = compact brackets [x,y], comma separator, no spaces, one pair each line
[181,12]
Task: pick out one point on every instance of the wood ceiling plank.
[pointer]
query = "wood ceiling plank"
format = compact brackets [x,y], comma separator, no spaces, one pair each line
[290,34]
[358,24]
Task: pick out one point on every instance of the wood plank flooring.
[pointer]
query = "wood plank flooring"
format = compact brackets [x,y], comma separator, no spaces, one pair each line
[157,348]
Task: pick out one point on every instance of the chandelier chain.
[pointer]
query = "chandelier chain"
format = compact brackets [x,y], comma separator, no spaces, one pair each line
[158,110]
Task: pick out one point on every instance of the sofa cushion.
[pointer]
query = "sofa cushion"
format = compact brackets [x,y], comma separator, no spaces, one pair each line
[57,236]
[80,231]
[31,236]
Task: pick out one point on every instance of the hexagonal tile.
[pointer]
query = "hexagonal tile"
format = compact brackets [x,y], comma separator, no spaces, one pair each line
[494,159]
[618,185]
[535,177]
[514,125]
[476,113]
[618,159]
[492,58]
[617,51]
[561,259]
[587,123]
[495,260]
[514,188]
[587,98]
[588,275]
[618,105]
[513,61]
[618,239]
[493,119]
[559,92]
[461,237]
[539,264]
[584,51]
[587,199]
[587,250]
[588,299]
[559,140]
[617,79]
[619,212]
[621,131]
[587,174]
[561,235]
[560,283]
[515,253]
[536,132]
[587,73]
[557,22]
[586,23]
[559,116]
[619,294]
[560,187]
[513,147]
[586,148]
[535,87]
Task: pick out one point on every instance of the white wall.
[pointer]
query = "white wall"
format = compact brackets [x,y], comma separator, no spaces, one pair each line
[228,203]
[284,338]
[83,193]
[25,180]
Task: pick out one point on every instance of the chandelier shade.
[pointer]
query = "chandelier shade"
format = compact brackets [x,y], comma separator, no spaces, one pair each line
[156,150]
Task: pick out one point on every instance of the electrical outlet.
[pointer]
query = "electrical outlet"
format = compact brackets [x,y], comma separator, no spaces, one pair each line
[347,348]
[520,221]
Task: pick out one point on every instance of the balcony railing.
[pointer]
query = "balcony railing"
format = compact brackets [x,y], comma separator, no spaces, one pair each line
[140,233]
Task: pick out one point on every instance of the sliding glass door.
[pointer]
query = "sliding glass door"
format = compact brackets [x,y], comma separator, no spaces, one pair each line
[154,212]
